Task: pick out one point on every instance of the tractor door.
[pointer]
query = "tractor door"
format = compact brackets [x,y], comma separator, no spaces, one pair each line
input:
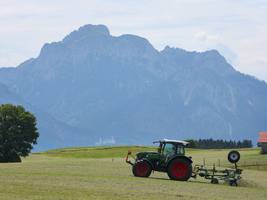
[167,150]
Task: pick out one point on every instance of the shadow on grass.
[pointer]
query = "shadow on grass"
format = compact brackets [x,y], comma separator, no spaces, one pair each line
[195,181]
[190,180]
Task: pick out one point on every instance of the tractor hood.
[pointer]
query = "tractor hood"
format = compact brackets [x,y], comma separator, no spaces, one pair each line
[146,154]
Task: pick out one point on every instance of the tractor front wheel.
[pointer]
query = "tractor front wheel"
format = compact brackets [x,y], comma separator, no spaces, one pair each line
[142,169]
[179,169]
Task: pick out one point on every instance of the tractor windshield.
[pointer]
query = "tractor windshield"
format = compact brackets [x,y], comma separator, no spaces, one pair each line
[169,149]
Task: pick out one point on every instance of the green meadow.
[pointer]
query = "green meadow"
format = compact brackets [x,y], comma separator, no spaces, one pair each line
[101,173]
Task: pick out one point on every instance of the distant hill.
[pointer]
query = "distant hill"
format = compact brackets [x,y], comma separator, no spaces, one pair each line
[122,90]
[54,133]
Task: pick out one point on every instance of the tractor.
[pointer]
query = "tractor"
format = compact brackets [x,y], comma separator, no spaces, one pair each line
[170,158]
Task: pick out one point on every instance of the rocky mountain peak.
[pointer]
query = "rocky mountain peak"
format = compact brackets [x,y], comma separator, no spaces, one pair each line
[86,31]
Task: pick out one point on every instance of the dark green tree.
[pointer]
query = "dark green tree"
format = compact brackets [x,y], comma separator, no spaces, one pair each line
[218,144]
[18,133]
[191,143]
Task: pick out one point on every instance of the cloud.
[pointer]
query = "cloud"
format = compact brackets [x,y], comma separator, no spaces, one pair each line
[229,54]
[205,37]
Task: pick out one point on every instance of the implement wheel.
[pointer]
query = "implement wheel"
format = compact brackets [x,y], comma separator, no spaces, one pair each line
[233,156]
[142,169]
[214,181]
[233,183]
[179,169]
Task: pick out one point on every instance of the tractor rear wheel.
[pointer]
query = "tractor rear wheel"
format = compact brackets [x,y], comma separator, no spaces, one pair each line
[179,169]
[142,169]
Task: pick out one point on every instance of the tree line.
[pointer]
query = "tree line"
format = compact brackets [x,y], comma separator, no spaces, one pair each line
[218,144]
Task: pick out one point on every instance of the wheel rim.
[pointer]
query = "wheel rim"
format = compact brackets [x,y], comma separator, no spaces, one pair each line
[179,170]
[142,169]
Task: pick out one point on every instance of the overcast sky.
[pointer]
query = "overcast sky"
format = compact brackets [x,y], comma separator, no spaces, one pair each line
[237,28]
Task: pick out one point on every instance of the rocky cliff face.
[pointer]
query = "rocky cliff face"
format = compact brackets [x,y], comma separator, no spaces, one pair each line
[122,87]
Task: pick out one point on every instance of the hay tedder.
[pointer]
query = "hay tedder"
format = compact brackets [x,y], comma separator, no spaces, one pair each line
[171,159]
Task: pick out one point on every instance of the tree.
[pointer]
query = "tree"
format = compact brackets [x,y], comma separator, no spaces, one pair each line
[218,144]
[191,143]
[247,144]
[18,133]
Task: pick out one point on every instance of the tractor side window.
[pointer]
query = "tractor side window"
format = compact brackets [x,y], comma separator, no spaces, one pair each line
[180,150]
[169,149]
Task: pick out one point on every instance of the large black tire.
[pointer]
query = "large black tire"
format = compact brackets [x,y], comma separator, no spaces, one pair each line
[179,169]
[233,156]
[142,169]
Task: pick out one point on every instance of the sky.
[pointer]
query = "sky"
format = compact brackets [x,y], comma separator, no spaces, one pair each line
[237,29]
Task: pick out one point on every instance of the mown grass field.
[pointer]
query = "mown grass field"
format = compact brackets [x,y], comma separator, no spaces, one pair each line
[101,173]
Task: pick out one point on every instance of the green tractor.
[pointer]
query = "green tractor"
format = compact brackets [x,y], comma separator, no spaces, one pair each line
[170,158]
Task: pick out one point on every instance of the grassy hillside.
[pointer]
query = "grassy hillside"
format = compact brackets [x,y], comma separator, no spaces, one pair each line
[96,152]
[101,173]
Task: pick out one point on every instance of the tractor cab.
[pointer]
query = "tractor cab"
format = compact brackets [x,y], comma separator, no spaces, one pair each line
[171,147]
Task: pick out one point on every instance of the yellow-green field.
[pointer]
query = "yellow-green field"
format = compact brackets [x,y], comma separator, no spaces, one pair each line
[101,173]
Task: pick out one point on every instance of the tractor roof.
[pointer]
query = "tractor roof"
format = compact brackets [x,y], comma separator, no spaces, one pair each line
[172,141]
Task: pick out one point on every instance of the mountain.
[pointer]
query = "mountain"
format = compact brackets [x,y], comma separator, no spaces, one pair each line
[6,95]
[47,125]
[124,90]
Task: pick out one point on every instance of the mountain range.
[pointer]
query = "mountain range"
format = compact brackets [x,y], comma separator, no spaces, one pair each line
[95,88]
